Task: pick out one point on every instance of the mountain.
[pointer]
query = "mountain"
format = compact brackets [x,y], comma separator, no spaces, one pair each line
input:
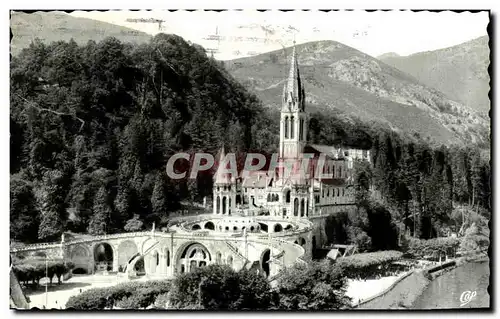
[460,71]
[388,55]
[341,79]
[59,26]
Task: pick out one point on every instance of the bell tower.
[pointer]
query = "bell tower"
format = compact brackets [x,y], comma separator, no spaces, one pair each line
[294,121]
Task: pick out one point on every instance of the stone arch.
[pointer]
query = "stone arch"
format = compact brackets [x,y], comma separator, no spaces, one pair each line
[209,225]
[278,228]
[264,262]
[287,195]
[80,256]
[193,255]
[296,207]
[103,256]
[302,241]
[126,249]
[195,227]
[263,226]
[302,208]
[154,262]
[217,204]
[288,227]
[147,244]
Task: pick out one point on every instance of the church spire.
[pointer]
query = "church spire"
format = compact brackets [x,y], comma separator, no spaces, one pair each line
[293,92]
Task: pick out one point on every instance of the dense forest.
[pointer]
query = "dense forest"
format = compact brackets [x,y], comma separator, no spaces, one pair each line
[93,126]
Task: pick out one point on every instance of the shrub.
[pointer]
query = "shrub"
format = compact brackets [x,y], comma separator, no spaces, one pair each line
[129,295]
[315,286]
[92,299]
[420,248]
[34,269]
[161,301]
[368,264]
[220,287]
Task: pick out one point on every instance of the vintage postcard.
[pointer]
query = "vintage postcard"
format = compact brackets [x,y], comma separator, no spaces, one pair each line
[252,160]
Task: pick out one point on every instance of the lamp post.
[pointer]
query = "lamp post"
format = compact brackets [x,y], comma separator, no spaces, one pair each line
[47,282]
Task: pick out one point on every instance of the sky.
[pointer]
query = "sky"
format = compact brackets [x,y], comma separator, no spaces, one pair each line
[249,32]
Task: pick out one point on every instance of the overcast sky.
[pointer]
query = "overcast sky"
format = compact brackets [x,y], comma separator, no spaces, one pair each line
[375,33]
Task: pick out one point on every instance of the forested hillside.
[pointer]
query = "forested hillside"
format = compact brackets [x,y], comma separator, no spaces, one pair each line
[93,126]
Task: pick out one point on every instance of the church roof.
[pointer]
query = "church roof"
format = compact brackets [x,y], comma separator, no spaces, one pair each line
[221,178]
[334,181]
[332,152]
[256,179]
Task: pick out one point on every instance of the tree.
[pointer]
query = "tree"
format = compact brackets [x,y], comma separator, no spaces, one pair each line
[134,224]
[220,287]
[23,212]
[315,286]
[50,198]
[100,220]
[158,199]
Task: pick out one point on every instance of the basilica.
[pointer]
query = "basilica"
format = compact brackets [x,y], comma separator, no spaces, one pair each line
[292,196]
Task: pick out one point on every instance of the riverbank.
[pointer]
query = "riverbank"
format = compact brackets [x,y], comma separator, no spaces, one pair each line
[409,292]
[463,286]
[361,290]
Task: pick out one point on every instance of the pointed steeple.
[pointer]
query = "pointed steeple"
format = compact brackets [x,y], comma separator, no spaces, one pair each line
[293,92]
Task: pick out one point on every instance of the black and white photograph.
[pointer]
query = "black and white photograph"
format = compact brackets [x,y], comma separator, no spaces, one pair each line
[262,160]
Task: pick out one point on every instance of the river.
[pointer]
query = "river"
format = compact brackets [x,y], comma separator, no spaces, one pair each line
[447,290]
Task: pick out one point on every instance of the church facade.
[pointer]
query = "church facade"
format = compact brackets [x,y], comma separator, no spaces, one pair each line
[296,194]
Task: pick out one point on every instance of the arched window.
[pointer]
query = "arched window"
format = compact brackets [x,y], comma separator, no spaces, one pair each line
[168,258]
[286,127]
[217,209]
[292,127]
[288,196]
[295,207]
[340,172]
[307,207]
[223,205]
[328,192]
[338,191]
[301,126]
[302,208]
[269,198]
[333,171]
[343,191]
